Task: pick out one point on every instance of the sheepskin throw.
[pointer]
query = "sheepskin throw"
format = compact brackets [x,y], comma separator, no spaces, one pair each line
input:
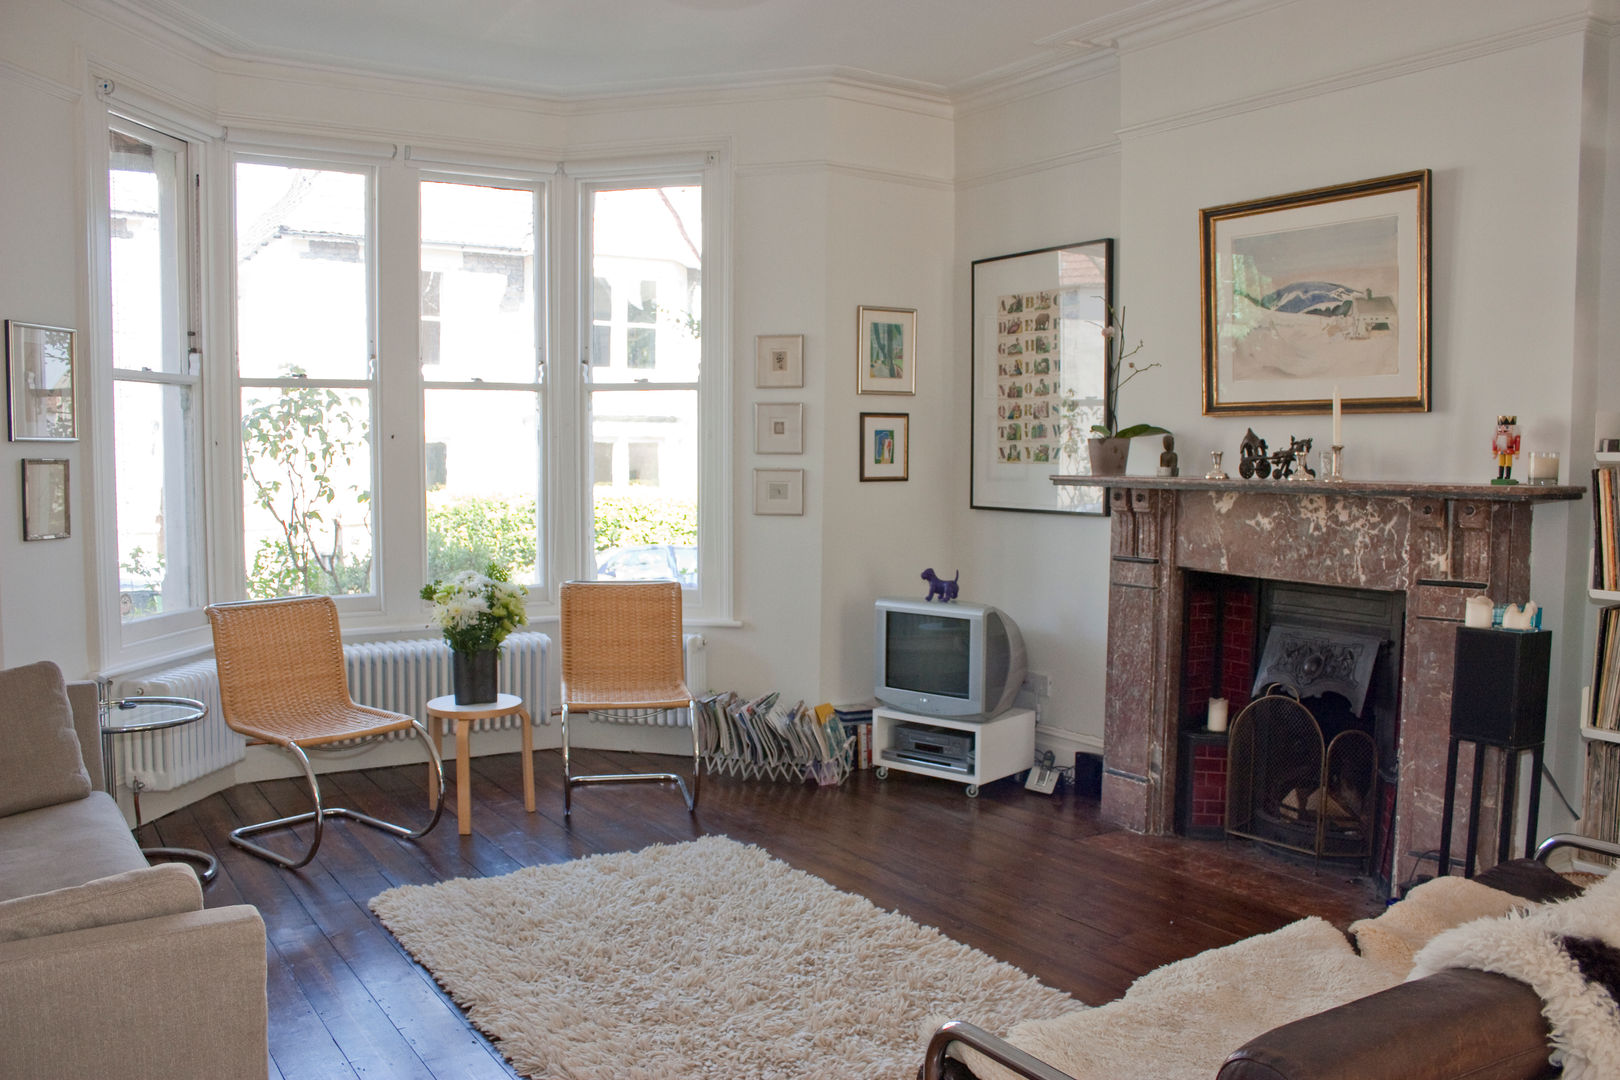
[1394,937]
[1569,953]
[1181,1021]
[700,959]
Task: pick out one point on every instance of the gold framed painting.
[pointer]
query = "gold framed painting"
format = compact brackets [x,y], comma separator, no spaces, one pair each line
[1317,291]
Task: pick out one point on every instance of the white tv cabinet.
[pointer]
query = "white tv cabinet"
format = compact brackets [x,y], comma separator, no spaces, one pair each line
[1002,745]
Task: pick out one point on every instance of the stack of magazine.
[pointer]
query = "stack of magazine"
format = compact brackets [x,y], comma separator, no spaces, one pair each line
[764,738]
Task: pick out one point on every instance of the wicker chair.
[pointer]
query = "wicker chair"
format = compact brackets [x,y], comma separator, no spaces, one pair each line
[621,650]
[282,681]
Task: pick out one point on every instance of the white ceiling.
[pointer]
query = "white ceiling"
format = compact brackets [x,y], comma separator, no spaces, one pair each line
[571,48]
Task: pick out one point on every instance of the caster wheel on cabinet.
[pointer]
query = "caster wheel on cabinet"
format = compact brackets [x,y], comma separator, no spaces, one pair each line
[973,791]
[881,772]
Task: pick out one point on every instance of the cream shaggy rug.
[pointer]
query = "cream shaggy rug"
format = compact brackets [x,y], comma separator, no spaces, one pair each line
[707,958]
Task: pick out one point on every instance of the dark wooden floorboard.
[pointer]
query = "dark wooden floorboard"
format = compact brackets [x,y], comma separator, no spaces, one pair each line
[1034,880]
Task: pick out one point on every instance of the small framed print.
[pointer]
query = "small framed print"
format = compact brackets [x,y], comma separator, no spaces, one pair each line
[779,491]
[45,499]
[885,446]
[886,351]
[778,429]
[39,383]
[779,361]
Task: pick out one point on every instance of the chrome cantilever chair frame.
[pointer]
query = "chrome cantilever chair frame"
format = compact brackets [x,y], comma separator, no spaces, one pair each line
[261,648]
[643,671]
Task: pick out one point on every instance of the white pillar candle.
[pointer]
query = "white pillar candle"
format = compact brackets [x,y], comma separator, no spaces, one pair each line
[1338,440]
[1478,612]
[1217,714]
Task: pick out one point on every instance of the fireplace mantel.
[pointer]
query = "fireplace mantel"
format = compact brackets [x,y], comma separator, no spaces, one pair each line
[1387,489]
[1436,543]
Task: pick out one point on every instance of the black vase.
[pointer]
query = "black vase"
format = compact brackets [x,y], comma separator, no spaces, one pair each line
[473,676]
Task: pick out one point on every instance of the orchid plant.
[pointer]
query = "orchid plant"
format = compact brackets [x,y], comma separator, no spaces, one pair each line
[1120,362]
[476,611]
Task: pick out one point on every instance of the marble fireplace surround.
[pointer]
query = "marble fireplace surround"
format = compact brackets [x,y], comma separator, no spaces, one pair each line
[1439,544]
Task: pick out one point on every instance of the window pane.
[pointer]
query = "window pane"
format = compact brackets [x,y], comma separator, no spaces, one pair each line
[155,484]
[148,294]
[647,260]
[302,284]
[478,244]
[486,508]
[306,492]
[646,528]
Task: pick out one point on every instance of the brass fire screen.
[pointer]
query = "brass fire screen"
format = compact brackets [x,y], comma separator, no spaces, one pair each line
[1288,788]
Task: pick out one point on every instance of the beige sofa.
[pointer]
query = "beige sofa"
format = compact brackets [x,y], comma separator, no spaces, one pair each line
[108,966]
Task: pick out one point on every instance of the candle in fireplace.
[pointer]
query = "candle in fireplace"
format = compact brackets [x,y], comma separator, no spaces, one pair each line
[1217,714]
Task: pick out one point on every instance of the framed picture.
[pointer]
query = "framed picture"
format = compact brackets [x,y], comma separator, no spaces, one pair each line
[778,429]
[39,383]
[885,446]
[886,351]
[779,361]
[778,491]
[45,499]
[1316,291]
[1039,372]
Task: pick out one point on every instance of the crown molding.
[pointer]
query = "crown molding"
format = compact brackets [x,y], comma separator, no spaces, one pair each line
[861,172]
[1095,152]
[1506,41]
[1033,80]
[49,87]
[1155,21]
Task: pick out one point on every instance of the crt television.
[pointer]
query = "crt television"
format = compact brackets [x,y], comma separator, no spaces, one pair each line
[947,659]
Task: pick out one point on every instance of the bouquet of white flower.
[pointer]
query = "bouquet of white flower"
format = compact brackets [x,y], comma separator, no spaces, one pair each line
[476,611]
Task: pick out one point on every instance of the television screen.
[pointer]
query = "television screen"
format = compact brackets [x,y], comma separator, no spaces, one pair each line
[928,653]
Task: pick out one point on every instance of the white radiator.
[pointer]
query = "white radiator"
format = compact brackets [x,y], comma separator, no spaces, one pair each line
[697,681]
[400,676]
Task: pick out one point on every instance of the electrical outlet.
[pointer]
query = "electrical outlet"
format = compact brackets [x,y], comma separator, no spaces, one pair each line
[1043,778]
[1036,685]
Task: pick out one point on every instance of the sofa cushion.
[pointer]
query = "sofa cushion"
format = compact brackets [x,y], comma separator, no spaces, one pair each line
[43,764]
[165,889]
[66,844]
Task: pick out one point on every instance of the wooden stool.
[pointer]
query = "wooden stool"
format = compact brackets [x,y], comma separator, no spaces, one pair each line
[445,709]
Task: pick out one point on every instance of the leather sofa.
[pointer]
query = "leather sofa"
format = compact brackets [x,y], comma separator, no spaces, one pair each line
[1458,1024]
[108,966]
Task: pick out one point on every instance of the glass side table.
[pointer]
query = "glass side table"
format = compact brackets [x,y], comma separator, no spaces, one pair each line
[127,716]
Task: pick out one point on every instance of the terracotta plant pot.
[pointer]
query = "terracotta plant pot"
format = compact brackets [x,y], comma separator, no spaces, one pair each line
[1108,456]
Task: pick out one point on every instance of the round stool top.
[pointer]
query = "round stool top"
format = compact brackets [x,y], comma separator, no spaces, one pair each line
[446,706]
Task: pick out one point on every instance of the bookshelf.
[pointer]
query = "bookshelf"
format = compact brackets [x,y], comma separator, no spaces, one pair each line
[1600,707]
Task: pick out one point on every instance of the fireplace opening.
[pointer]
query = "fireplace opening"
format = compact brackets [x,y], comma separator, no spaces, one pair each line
[1337,651]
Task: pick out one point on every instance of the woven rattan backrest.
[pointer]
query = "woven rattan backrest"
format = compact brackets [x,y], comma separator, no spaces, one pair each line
[620,639]
[276,654]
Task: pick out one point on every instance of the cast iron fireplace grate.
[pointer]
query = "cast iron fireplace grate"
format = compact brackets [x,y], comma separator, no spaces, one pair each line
[1287,788]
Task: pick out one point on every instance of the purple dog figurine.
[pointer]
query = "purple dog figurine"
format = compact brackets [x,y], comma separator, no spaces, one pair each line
[939,587]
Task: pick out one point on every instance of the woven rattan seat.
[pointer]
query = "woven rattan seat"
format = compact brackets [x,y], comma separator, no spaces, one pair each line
[622,650]
[282,681]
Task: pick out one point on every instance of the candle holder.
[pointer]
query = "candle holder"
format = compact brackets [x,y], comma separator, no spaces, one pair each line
[1215,470]
[1336,453]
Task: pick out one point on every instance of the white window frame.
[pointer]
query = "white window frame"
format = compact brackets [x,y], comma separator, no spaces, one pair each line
[122,645]
[229,447]
[540,190]
[710,602]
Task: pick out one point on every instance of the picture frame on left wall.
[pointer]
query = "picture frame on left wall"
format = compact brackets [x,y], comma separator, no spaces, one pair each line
[40,368]
[779,491]
[45,499]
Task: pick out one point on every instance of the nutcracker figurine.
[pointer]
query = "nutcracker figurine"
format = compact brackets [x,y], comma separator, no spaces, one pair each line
[1506,447]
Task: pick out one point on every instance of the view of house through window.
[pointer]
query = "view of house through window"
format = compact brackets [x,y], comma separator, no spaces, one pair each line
[481,384]
[306,366]
[645,351]
[156,384]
